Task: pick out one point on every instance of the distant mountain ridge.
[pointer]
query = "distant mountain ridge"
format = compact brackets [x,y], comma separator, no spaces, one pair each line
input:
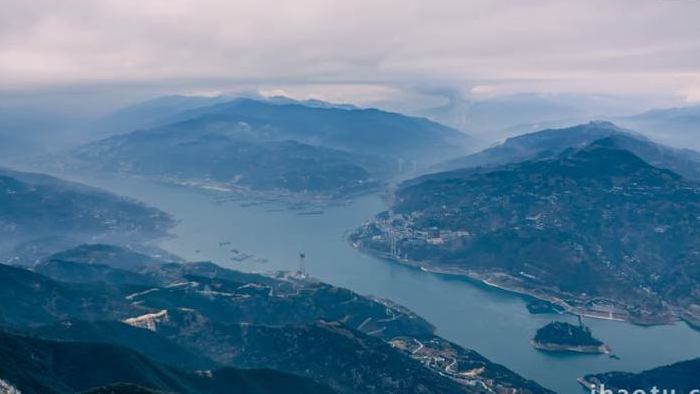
[175,108]
[675,126]
[551,142]
[152,113]
[255,145]
[500,116]
[232,162]
[352,129]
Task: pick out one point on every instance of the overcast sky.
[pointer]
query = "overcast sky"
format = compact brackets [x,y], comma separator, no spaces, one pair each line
[353,50]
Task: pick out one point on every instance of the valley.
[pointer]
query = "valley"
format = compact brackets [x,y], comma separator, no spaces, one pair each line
[166,297]
[333,197]
[494,323]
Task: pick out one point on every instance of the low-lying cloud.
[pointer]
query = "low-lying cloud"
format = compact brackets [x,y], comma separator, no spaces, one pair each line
[355,50]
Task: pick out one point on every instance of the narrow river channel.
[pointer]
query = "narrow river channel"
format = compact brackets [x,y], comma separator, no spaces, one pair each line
[493,322]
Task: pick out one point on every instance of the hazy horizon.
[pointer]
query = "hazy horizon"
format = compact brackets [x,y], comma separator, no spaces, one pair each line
[405,56]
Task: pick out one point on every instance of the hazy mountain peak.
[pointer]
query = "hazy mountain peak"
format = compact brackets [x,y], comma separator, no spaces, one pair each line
[286,146]
[550,142]
[567,135]
[314,103]
[678,126]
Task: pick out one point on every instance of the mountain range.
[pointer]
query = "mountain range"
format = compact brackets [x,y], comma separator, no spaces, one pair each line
[491,118]
[595,229]
[165,321]
[675,126]
[595,218]
[551,142]
[164,110]
[278,146]
[151,113]
[357,130]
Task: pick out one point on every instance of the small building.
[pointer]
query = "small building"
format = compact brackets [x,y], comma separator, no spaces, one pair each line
[435,241]
[433,232]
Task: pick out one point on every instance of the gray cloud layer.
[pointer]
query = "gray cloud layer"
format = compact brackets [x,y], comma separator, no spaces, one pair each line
[355,50]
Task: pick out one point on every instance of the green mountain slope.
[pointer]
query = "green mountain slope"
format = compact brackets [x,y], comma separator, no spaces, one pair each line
[41,366]
[44,214]
[596,229]
[224,317]
[682,377]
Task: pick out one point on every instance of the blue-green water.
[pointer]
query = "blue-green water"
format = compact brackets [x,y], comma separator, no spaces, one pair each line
[493,322]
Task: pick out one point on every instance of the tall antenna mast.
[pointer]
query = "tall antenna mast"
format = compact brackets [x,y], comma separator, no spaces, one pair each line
[393,249]
[302,265]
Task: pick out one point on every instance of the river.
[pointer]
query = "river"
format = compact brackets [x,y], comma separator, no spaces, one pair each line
[491,321]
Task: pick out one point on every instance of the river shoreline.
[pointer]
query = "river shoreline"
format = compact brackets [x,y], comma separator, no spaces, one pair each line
[551,347]
[470,313]
[497,280]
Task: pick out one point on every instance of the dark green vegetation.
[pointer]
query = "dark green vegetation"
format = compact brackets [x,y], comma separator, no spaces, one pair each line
[596,229]
[40,214]
[147,342]
[284,147]
[551,142]
[682,377]
[107,255]
[165,320]
[562,336]
[41,366]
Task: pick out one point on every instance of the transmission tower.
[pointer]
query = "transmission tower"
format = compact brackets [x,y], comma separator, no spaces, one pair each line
[393,249]
[302,265]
